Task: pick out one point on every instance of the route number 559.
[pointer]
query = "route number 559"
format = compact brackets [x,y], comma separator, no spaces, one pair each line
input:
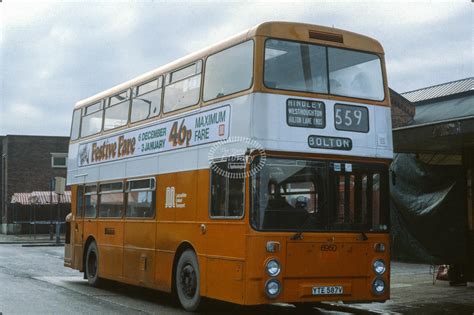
[351,118]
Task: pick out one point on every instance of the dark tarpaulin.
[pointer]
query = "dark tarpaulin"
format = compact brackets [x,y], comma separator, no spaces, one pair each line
[429,223]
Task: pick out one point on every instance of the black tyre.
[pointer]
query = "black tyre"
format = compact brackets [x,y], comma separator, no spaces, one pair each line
[92,265]
[188,281]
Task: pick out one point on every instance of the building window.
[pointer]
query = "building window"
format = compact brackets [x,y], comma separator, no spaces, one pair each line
[59,160]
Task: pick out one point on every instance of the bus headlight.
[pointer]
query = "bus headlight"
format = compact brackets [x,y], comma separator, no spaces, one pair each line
[378,286]
[272,288]
[273,267]
[379,267]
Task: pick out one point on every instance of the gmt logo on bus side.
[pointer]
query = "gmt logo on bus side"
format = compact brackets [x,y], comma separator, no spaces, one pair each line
[186,131]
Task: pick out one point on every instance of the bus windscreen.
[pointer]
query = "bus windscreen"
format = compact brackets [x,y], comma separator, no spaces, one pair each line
[311,195]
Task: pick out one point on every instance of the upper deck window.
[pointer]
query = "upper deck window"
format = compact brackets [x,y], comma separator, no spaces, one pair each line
[355,74]
[318,69]
[93,108]
[118,98]
[182,87]
[229,71]
[146,102]
[92,120]
[116,114]
[76,124]
[295,66]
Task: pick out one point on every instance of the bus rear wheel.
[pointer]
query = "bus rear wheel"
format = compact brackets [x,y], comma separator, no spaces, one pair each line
[188,281]
[92,265]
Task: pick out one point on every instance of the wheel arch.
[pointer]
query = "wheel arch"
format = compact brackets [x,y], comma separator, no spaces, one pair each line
[185,245]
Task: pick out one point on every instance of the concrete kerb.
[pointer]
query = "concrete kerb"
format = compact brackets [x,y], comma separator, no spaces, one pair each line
[41,239]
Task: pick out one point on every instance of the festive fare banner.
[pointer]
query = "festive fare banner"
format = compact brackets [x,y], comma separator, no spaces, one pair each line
[201,128]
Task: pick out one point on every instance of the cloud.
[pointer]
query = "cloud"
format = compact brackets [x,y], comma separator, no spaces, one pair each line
[54,53]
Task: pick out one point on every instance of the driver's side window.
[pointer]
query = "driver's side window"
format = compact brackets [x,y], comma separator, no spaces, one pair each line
[227,192]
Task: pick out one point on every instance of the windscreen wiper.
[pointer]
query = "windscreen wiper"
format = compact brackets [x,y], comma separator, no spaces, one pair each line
[310,215]
[299,234]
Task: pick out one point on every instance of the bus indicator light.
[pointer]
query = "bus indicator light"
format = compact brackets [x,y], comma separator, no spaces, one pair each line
[379,247]
[273,247]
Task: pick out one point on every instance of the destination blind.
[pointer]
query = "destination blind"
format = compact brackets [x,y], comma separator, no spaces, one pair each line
[305,113]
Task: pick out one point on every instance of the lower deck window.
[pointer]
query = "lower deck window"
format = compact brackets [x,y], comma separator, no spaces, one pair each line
[227,191]
[141,198]
[111,205]
[90,202]
[79,201]
[111,200]
[356,199]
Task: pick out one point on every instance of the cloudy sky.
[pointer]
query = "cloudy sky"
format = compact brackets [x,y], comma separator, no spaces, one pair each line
[54,53]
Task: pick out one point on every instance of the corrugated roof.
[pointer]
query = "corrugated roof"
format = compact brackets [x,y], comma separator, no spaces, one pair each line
[440,90]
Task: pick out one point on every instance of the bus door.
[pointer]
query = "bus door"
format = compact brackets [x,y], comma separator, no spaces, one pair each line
[88,226]
[139,231]
[110,228]
[77,226]
[225,232]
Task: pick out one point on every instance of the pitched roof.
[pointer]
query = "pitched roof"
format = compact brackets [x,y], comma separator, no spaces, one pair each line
[440,90]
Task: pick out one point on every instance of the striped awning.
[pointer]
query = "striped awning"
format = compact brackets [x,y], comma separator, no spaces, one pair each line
[41,198]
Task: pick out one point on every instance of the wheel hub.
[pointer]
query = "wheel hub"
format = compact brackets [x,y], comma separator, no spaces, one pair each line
[188,280]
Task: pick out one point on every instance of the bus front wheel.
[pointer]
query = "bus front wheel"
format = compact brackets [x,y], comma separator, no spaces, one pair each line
[188,281]
[92,265]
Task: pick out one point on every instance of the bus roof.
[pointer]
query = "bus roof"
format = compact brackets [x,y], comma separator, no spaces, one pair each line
[276,29]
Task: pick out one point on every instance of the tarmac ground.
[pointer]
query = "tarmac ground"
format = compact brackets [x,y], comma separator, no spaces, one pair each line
[34,280]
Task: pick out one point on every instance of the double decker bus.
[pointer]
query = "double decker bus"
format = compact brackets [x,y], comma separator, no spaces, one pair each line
[254,171]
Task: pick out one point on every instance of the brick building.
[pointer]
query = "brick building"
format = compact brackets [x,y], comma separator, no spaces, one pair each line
[28,163]
[403,111]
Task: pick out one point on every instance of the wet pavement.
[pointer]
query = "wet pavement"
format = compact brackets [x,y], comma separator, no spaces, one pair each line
[413,292]
[33,280]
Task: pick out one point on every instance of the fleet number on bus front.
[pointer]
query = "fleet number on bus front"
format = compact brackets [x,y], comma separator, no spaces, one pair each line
[351,118]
